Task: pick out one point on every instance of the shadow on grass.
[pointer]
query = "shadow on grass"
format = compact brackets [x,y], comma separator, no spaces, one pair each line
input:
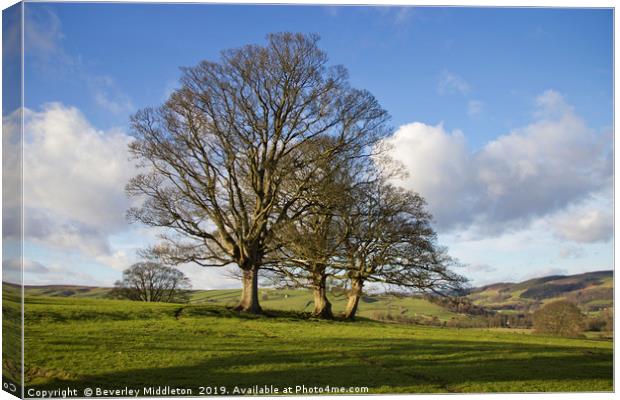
[282,315]
[400,365]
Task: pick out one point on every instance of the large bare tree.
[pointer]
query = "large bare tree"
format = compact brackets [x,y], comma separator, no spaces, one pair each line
[217,153]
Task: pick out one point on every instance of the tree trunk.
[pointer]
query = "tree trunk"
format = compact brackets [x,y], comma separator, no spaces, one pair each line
[354,298]
[249,293]
[322,306]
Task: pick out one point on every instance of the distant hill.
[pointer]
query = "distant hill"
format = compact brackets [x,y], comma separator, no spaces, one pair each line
[591,291]
[373,306]
[67,291]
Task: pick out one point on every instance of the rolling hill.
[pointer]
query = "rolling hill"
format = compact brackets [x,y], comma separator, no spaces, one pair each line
[592,291]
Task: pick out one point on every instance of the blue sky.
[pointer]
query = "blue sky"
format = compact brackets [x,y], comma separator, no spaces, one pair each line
[468,90]
[505,56]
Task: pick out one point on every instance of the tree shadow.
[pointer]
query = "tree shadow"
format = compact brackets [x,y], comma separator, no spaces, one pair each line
[394,365]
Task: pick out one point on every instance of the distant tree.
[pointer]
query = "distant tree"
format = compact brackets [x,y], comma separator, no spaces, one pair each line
[219,151]
[153,282]
[603,321]
[607,315]
[560,318]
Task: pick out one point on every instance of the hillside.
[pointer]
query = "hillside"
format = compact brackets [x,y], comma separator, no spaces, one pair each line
[373,307]
[592,291]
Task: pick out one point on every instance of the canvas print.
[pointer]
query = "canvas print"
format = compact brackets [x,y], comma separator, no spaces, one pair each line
[300,200]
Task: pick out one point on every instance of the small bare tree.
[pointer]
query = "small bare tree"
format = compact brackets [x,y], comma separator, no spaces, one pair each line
[150,281]
[217,153]
[390,241]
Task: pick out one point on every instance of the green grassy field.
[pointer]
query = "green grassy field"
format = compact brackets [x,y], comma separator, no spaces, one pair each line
[82,342]
[592,292]
[301,300]
[276,299]
[11,333]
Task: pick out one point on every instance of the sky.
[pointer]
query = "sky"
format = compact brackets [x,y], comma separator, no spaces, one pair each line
[502,117]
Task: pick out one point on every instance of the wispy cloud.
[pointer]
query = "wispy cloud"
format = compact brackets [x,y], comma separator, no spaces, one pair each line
[44,38]
[332,11]
[399,18]
[43,32]
[571,252]
[403,15]
[475,107]
[451,83]
[108,96]
[481,268]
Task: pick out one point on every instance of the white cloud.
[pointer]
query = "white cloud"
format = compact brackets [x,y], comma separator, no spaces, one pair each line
[119,259]
[450,83]
[74,177]
[422,149]
[211,278]
[530,173]
[551,104]
[584,225]
[11,175]
[75,203]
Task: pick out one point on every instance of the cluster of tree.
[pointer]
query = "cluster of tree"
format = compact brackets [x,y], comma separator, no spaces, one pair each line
[407,319]
[270,160]
[150,281]
[561,318]
[459,304]
[603,321]
[488,320]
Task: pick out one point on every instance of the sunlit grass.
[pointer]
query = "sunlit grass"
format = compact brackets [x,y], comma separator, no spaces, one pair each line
[86,343]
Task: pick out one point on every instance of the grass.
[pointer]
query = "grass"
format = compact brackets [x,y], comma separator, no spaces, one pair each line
[301,300]
[82,342]
[276,299]
[11,333]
